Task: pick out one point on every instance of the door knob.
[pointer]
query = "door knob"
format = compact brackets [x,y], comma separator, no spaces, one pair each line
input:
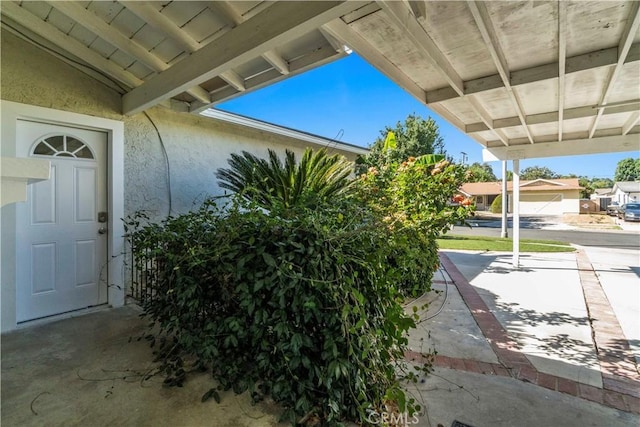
[102,230]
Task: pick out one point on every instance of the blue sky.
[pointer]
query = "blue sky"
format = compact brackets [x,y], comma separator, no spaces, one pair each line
[351,101]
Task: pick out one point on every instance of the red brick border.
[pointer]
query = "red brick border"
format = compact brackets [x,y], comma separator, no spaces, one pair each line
[617,362]
[620,389]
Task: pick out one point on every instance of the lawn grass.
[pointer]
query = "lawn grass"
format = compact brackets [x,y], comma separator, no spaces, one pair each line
[482,243]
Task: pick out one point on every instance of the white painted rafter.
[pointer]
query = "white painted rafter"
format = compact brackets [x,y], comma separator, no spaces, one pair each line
[159,21]
[405,20]
[633,120]
[278,24]
[588,61]
[68,43]
[486,118]
[553,116]
[93,23]
[234,18]
[491,41]
[568,147]
[562,62]
[626,41]
[234,79]
[344,33]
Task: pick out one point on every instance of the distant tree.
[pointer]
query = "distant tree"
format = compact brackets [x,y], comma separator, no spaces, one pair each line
[587,187]
[415,137]
[537,172]
[628,170]
[602,183]
[480,172]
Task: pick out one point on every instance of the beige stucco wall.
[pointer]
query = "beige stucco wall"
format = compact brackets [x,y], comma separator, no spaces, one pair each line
[196,146]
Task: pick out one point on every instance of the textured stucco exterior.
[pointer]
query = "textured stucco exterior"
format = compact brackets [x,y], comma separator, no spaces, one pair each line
[196,146]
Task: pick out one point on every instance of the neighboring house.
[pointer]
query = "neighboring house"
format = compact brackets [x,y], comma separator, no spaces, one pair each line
[626,192]
[537,197]
[63,249]
[603,197]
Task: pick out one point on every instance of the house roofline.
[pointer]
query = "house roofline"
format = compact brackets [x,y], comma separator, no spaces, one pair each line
[282,130]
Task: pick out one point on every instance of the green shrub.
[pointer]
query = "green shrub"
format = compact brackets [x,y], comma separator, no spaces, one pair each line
[317,177]
[303,307]
[496,205]
[413,200]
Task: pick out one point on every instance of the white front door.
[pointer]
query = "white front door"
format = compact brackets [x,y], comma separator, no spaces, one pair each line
[61,237]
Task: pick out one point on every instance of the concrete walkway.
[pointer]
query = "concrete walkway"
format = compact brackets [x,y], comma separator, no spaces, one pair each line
[550,343]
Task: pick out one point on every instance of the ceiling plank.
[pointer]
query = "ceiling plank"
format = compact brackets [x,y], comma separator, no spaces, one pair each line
[633,120]
[279,23]
[405,20]
[591,60]
[629,33]
[492,42]
[343,32]
[93,23]
[552,116]
[562,62]
[68,43]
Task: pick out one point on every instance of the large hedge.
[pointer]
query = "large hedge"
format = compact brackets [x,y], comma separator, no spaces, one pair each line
[304,308]
[299,298]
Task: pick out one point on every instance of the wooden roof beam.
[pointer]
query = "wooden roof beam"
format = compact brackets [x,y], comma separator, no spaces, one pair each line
[278,24]
[68,43]
[626,41]
[562,62]
[402,16]
[231,15]
[93,23]
[587,61]
[492,42]
[553,116]
[347,36]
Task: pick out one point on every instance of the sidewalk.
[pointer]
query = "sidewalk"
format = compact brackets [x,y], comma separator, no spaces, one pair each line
[548,344]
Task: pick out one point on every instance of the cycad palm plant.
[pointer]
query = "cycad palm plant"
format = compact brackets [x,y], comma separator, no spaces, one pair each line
[318,177]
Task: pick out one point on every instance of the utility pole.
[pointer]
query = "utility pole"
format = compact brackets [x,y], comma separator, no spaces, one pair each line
[464,157]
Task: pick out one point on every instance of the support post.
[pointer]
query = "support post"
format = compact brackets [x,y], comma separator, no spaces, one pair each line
[505,202]
[516,213]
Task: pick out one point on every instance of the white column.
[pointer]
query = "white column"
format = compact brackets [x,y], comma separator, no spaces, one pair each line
[516,213]
[505,202]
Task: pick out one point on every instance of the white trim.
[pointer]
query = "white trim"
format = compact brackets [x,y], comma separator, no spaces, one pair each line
[542,180]
[280,130]
[11,113]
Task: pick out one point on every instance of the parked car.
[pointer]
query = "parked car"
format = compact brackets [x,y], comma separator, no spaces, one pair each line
[630,212]
[613,209]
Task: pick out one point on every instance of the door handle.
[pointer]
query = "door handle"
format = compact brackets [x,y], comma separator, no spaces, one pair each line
[102,230]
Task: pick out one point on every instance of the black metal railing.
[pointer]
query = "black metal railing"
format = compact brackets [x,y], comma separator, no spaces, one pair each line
[145,269]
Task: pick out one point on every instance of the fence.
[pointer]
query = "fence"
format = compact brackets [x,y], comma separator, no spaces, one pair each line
[145,270]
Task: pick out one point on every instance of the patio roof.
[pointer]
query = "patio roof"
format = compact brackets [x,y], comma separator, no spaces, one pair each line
[524,79]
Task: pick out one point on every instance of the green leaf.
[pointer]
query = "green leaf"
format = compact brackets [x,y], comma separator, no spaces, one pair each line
[209,394]
[268,259]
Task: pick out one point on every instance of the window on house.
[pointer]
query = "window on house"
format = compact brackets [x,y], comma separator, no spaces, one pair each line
[62,146]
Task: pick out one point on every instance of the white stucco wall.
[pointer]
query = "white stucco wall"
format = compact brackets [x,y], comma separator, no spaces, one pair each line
[196,146]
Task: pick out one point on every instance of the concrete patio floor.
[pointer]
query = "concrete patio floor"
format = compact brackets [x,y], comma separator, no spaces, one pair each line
[514,347]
